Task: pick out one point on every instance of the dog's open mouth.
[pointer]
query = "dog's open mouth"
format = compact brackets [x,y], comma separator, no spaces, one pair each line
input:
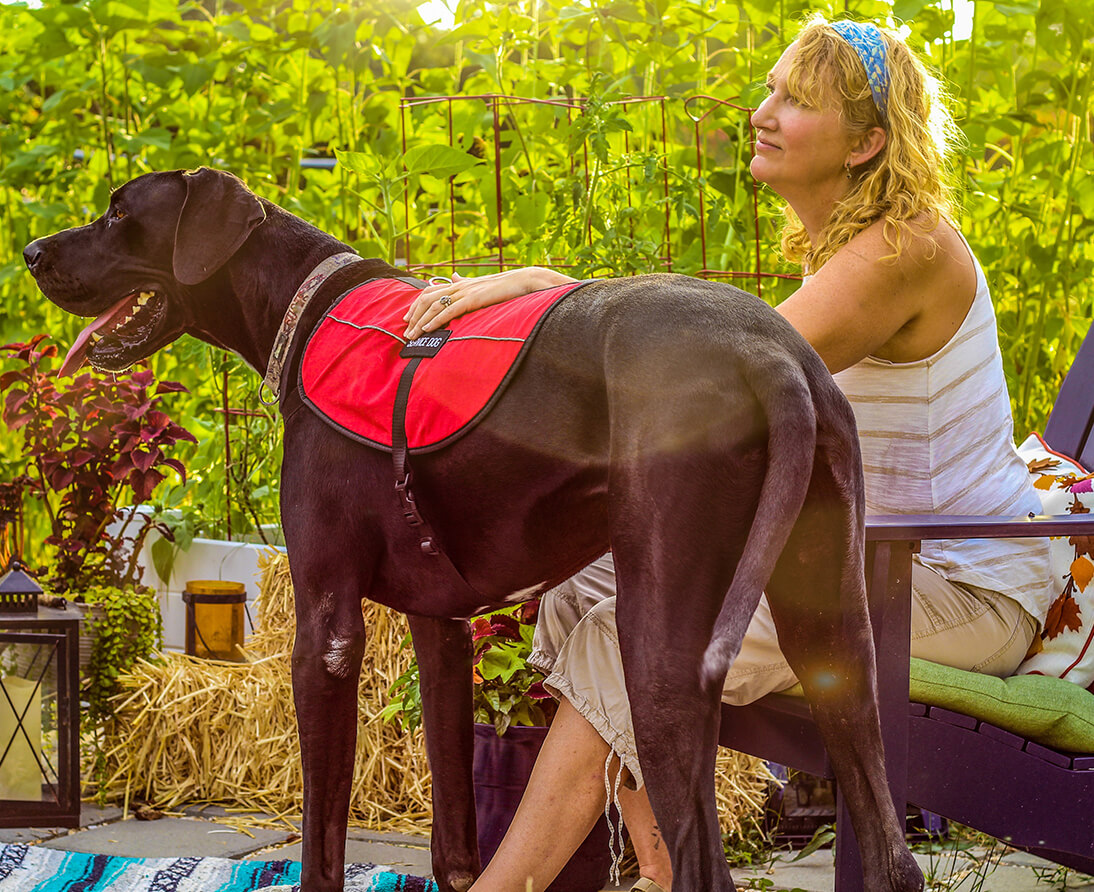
[117,337]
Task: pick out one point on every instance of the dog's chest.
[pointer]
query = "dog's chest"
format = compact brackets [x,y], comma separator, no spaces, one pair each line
[356,357]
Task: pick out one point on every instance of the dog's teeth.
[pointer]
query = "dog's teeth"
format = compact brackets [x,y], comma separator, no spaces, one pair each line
[144,297]
[127,319]
[96,337]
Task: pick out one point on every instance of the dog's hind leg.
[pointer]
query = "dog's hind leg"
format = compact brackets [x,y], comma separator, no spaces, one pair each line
[676,543]
[818,600]
[443,649]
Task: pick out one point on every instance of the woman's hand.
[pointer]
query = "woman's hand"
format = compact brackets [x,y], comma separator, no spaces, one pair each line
[437,305]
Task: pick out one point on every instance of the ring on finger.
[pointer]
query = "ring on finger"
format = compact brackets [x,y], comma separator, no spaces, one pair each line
[445,300]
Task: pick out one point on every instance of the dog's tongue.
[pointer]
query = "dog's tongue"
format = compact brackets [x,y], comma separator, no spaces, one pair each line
[77,353]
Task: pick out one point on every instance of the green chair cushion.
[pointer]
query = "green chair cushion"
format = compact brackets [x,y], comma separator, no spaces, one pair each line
[1047,710]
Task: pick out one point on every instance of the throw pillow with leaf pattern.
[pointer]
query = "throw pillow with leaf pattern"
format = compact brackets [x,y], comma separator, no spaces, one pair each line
[1067,640]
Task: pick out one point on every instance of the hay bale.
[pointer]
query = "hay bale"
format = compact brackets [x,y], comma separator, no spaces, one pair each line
[191,730]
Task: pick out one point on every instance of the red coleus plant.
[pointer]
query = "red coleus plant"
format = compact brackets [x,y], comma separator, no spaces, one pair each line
[90,446]
[507,690]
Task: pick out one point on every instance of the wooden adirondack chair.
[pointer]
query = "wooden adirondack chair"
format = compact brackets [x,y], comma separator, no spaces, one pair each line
[1033,797]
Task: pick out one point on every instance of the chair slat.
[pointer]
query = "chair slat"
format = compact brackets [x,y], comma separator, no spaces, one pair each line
[952,718]
[1007,738]
[1051,756]
[1069,425]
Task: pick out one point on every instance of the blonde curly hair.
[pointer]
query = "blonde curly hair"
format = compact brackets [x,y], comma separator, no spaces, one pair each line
[908,183]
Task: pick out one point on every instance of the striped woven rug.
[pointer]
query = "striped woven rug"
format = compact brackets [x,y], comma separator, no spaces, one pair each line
[36,869]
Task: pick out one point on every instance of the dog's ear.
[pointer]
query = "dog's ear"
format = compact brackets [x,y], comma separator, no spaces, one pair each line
[217,216]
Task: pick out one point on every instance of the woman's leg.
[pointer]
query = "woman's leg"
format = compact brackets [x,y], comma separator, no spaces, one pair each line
[575,635]
[946,621]
[649,847]
[966,627]
[953,624]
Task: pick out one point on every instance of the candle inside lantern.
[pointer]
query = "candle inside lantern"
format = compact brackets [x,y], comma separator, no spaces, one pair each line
[20,775]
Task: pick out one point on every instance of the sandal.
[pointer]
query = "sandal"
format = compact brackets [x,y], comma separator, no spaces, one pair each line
[646,885]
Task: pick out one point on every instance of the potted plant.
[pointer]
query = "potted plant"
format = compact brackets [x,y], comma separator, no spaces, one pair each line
[90,446]
[508,692]
[512,712]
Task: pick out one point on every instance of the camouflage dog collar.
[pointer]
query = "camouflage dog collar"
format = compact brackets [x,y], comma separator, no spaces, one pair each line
[285,333]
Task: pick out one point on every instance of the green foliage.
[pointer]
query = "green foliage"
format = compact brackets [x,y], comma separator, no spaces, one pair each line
[963,860]
[125,626]
[406,698]
[129,629]
[624,152]
[507,690]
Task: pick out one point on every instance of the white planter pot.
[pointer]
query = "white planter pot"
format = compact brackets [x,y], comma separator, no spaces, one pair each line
[204,559]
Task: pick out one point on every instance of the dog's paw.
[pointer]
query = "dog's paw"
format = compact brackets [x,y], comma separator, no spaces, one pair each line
[460,882]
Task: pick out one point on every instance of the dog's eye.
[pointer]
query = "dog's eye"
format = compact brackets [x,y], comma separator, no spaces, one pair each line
[116,214]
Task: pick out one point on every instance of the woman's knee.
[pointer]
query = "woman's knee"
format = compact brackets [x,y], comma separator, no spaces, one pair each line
[564,607]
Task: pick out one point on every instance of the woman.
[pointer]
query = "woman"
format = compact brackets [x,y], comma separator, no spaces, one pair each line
[853,137]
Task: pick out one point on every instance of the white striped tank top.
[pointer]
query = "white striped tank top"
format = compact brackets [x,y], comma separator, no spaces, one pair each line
[937,438]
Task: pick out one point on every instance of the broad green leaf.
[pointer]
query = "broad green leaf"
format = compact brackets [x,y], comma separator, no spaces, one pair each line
[163,558]
[438,160]
[906,10]
[1012,8]
[359,162]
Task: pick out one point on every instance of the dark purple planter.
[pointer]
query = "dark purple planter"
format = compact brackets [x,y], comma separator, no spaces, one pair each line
[502,767]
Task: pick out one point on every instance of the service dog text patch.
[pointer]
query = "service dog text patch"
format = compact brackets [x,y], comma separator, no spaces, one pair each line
[426,346]
[355,356]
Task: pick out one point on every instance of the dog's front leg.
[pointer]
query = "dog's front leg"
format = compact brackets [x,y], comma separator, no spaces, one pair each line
[443,648]
[326,664]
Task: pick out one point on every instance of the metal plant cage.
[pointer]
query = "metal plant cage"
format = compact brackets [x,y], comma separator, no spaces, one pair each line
[635,184]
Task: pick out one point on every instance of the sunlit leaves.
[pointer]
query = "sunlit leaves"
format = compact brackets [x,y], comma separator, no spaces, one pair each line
[438,160]
[96,91]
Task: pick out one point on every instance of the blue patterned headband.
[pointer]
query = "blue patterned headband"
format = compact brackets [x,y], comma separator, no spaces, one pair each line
[867,42]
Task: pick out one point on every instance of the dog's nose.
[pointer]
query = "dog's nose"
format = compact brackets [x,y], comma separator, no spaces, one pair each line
[33,254]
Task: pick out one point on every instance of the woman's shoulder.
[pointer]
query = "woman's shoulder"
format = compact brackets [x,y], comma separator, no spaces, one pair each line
[925,267]
[913,246]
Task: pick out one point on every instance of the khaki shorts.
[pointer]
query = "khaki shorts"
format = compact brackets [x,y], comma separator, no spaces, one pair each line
[576,645]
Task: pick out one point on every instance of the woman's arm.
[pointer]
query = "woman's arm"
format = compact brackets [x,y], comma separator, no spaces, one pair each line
[428,313]
[857,305]
[861,304]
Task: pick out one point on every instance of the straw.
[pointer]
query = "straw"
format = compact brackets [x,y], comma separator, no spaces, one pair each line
[190,731]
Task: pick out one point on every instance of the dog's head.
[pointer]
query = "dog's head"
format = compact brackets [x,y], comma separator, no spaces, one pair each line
[134,267]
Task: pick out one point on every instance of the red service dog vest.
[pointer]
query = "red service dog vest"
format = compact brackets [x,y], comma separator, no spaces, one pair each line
[356,355]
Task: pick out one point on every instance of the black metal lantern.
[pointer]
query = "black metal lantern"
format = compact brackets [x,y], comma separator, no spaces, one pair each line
[39,693]
[39,715]
[18,590]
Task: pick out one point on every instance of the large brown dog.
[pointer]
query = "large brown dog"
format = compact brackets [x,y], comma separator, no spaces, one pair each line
[682,423]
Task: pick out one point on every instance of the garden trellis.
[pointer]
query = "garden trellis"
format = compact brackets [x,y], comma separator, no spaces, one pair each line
[500,109]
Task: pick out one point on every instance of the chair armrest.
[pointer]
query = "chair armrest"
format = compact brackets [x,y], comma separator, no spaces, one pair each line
[920,527]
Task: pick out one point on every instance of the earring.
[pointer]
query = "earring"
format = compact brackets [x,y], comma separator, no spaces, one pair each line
[847,167]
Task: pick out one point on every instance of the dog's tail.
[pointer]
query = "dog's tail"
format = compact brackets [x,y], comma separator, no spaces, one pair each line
[787,402]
